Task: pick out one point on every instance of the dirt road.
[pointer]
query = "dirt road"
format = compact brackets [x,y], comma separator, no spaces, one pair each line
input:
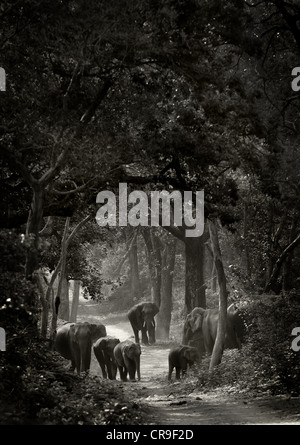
[168,402]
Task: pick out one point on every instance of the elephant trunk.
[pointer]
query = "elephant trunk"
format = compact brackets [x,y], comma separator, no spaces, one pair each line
[151,332]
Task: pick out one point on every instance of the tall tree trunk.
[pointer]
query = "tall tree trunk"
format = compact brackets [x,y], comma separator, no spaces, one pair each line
[271,285]
[44,302]
[33,227]
[134,269]
[75,301]
[56,272]
[61,291]
[220,339]
[154,263]
[286,268]
[211,267]
[64,307]
[165,310]
[194,277]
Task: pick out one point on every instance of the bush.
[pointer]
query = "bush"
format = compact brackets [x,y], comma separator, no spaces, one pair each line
[270,334]
[266,362]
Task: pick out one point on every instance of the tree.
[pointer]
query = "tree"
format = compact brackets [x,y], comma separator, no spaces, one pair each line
[166,304]
[221,331]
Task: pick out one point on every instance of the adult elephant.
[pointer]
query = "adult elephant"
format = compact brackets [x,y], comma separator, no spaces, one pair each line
[104,352]
[141,317]
[127,355]
[200,329]
[74,342]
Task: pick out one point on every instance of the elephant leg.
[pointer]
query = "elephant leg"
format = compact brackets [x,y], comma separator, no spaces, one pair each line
[77,360]
[138,369]
[100,359]
[85,358]
[113,370]
[178,369]
[136,335]
[171,367]
[107,366]
[145,336]
[184,369]
[123,373]
[208,342]
[131,367]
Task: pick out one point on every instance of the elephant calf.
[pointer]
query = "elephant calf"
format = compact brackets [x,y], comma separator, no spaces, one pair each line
[127,355]
[180,358]
[104,352]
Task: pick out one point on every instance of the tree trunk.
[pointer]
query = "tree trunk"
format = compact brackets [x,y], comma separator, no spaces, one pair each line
[33,228]
[60,295]
[220,339]
[154,263]
[286,268]
[271,285]
[64,307]
[56,271]
[194,277]
[75,301]
[211,268]
[134,270]
[165,310]
[44,302]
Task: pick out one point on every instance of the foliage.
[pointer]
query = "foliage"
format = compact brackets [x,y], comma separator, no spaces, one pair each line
[266,362]
[15,291]
[36,389]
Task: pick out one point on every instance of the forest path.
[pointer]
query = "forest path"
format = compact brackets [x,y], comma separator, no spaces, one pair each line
[171,403]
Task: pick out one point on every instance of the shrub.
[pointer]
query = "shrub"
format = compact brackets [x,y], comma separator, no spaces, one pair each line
[266,362]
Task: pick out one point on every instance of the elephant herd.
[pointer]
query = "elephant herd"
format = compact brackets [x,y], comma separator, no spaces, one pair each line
[75,341]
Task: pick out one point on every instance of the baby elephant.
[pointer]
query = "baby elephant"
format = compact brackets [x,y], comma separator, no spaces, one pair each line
[104,352]
[127,355]
[180,358]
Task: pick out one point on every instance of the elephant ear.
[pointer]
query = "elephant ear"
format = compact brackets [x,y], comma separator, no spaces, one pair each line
[126,350]
[196,319]
[155,309]
[72,332]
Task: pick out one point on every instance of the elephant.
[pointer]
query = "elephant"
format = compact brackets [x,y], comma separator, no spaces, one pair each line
[74,342]
[127,355]
[104,352]
[200,329]
[180,358]
[141,317]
